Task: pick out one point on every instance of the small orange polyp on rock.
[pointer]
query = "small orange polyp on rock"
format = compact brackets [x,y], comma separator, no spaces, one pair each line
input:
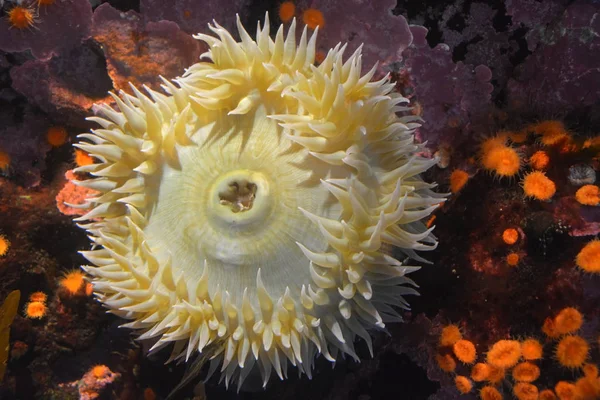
[504,354]
[537,185]
[512,259]
[463,384]
[287,9]
[588,195]
[489,393]
[553,132]
[525,391]
[35,310]
[20,17]
[458,179]
[72,281]
[313,18]
[572,351]
[450,335]
[57,136]
[38,296]
[503,160]
[480,372]
[510,236]
[4,160]
[568,320]
[588,258]
[82,158]
[4,245]
[531,349]
[539,160]
[465,351]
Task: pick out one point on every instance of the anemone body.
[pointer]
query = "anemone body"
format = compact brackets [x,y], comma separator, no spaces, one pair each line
[249,213]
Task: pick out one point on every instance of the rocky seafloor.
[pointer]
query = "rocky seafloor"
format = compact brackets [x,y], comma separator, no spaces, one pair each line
[524,72]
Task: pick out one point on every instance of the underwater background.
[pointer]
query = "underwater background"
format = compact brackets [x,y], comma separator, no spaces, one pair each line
[509,94]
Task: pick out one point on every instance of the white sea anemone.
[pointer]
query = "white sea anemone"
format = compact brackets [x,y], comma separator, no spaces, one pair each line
[252,211]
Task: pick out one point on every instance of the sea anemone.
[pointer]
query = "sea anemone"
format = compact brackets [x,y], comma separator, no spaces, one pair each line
[251,214]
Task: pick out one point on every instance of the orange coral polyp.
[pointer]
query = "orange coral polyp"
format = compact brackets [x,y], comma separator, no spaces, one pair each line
[38,296]
[588,258]
[458,179]
[572,351]
[539,160]
[100,371]
[531,349]
[537,185]
[504,354]
[465,351]
[588,195]
[565,390]
[547,394]
[526,372]
[72,281]
[57,136]
[445,362]
[489,393]
[512,259]
[4,160]
[496,375]
[552,132]
[525,391]
[504,161]
[287,9]
[510,236]
[568,320]
[4,245]
[463,384]
[480,372]
[20,17]
[313,18]
[82,158]
[450,335]
[35,310]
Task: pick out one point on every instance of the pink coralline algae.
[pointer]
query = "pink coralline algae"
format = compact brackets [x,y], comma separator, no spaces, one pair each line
[455,98]
[138,52]
[66,86]
[563,72]
[72,194]
[25,144]
[59,26]
[384,36]
[193,15]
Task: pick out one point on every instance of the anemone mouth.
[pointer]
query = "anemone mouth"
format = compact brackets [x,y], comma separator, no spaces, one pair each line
[249,213]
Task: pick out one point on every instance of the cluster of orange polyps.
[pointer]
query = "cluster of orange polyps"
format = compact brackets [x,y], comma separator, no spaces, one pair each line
[499,155]
[516,362]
